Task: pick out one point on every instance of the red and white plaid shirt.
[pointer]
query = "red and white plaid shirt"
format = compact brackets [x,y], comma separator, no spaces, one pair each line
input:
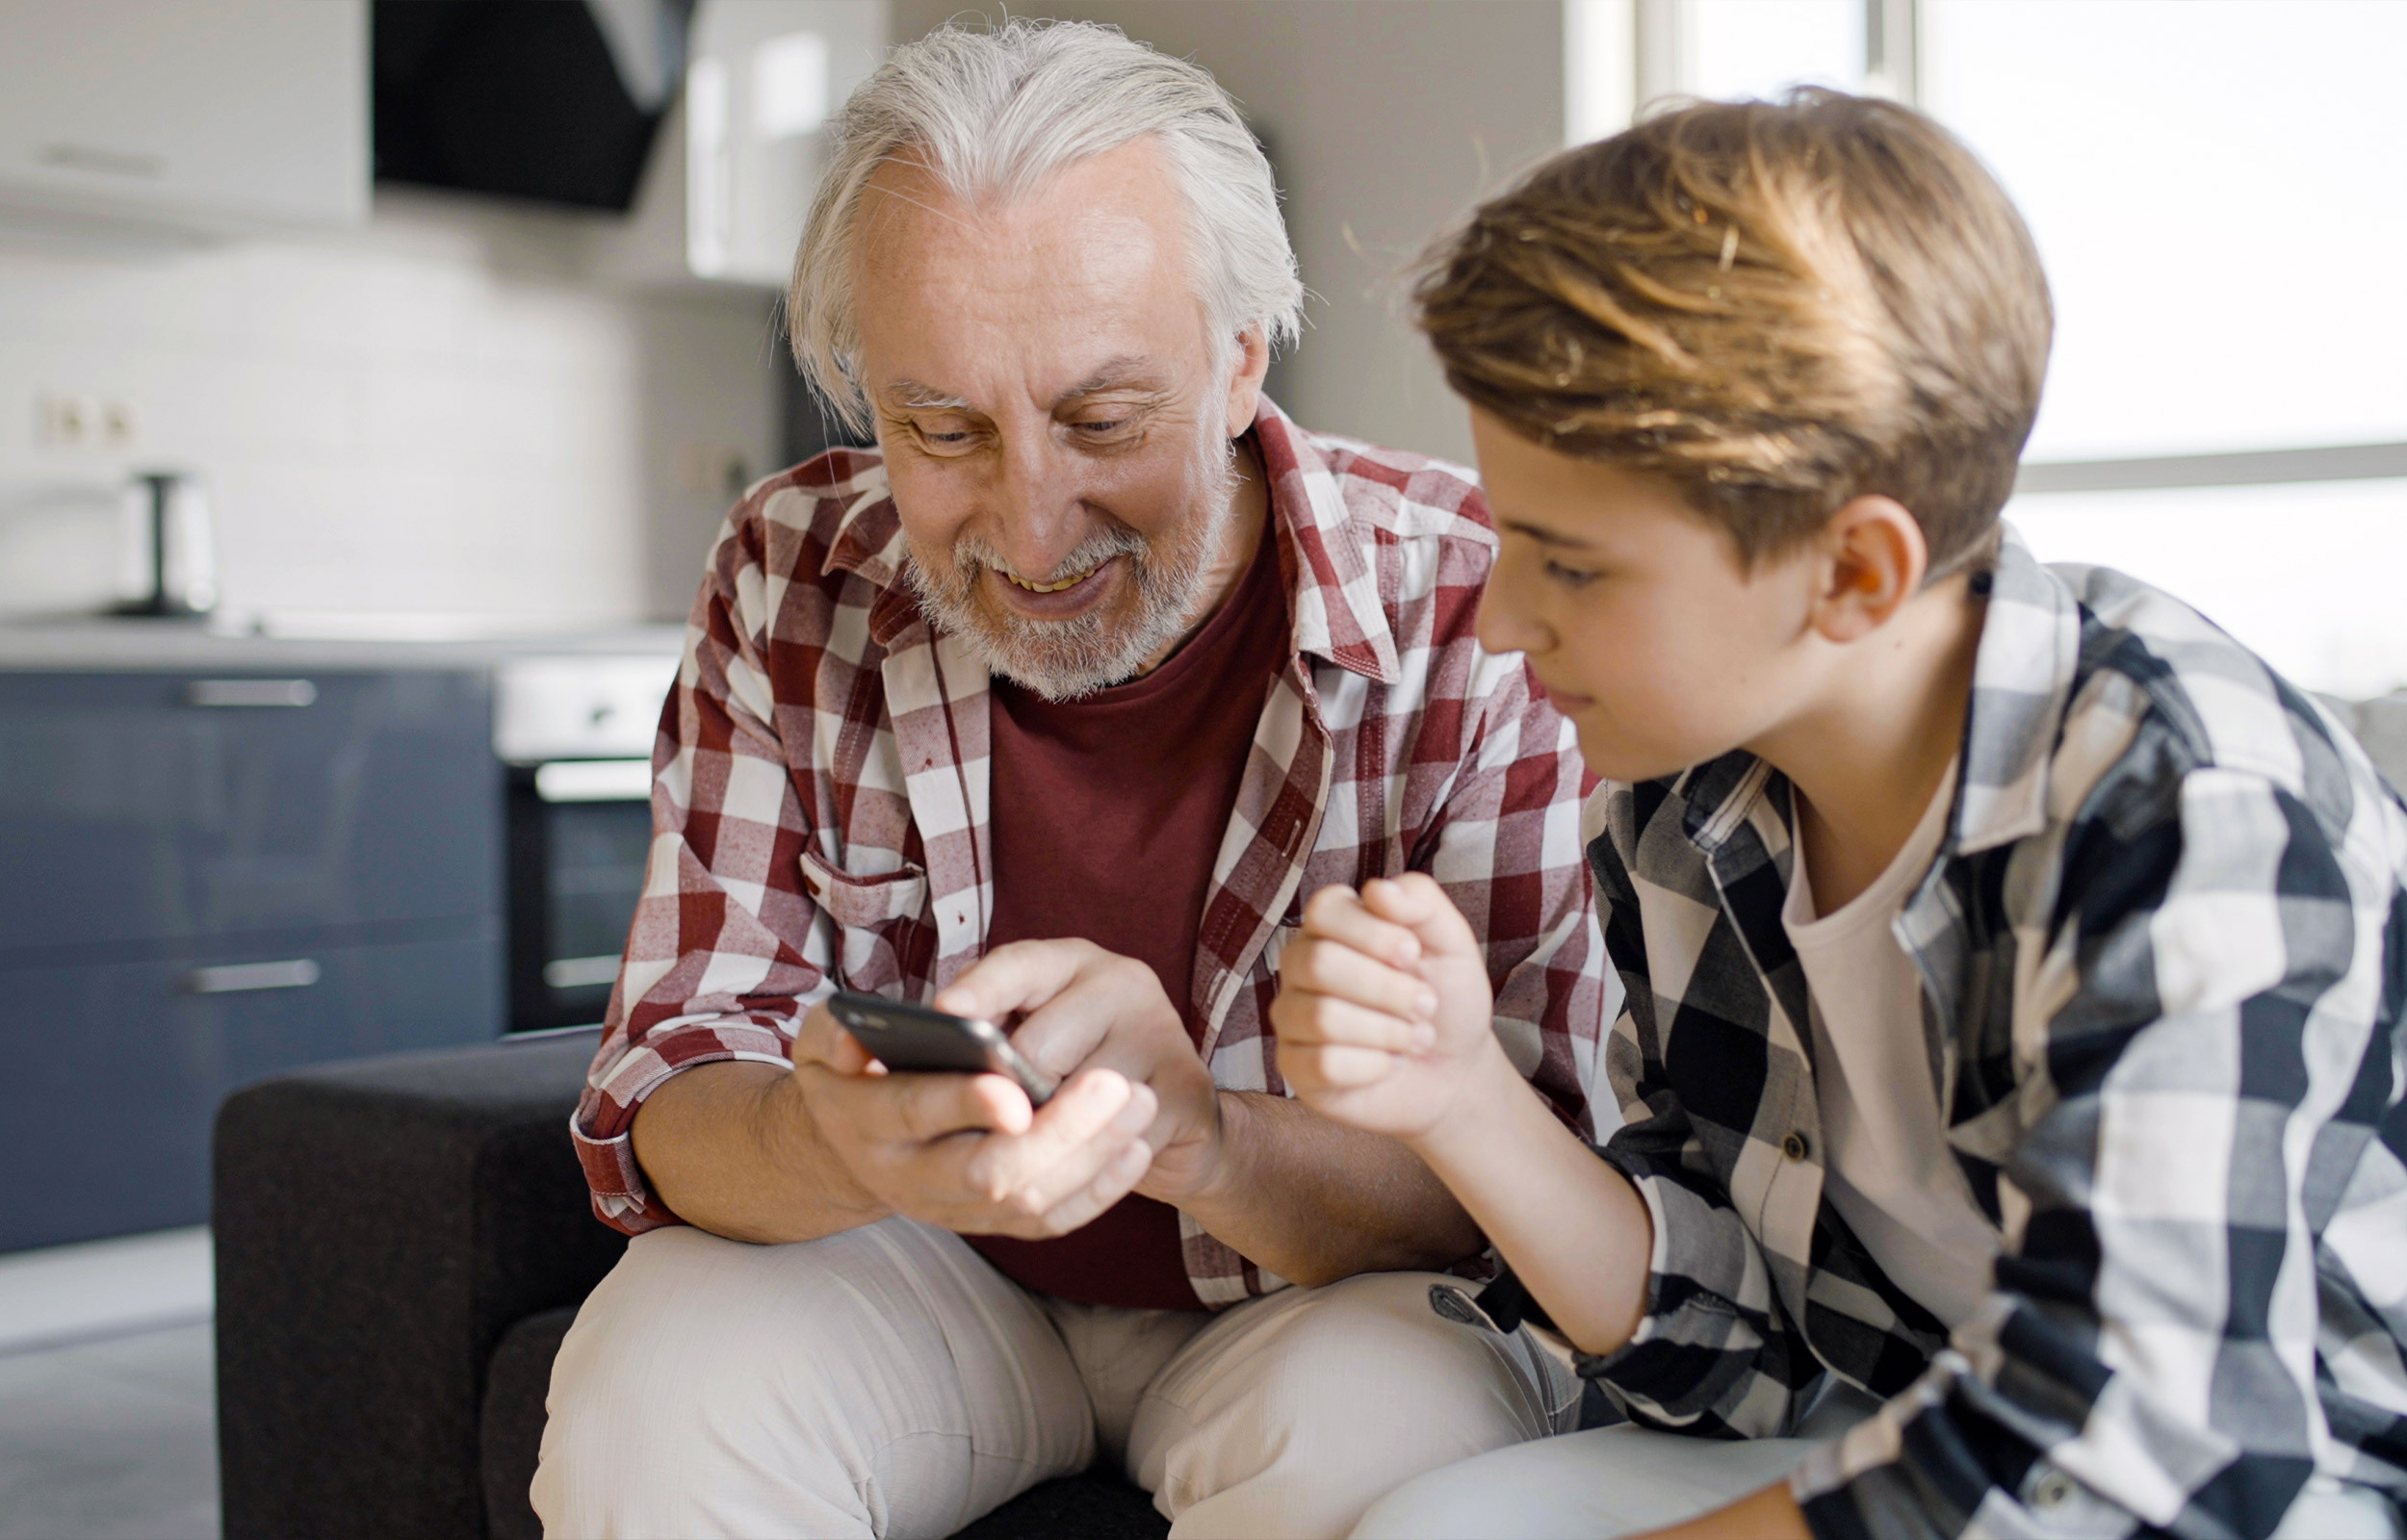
[820,796]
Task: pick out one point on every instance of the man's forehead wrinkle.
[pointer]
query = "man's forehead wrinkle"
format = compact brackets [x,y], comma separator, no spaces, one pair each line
[1127,371]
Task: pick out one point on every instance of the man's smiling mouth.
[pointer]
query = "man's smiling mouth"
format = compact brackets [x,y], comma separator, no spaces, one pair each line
[1070,581]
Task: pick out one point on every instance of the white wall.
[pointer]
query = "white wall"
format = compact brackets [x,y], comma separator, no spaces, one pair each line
[444,411]
[1390,118]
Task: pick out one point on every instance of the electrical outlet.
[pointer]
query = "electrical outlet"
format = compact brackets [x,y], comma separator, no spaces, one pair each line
[120,424]
[67,420]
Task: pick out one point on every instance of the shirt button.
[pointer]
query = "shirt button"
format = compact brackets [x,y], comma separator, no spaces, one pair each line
[2052,1490]
[1796,1147]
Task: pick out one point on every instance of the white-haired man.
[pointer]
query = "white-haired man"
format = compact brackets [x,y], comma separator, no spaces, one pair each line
[1057,708]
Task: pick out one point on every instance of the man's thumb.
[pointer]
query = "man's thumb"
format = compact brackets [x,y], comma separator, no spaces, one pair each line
[821,1040]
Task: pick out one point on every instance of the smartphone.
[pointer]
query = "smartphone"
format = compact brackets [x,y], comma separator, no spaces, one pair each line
[914,1039]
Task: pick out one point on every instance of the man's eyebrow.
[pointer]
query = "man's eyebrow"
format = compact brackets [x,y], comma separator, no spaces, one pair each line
[912,393]
[1118,373]
[1545,536]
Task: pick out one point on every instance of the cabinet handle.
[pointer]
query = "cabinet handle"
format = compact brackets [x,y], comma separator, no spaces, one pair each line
[580,972]
[240,693]
[106,161]
[240,977]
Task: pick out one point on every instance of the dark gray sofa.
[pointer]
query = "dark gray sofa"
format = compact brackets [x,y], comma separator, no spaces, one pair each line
[401,1243]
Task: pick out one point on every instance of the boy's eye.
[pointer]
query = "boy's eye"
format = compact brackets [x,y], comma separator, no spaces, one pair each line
[1569,576]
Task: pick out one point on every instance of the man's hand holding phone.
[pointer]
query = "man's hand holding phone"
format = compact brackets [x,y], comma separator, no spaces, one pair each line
[966,1152]
[1092,1011]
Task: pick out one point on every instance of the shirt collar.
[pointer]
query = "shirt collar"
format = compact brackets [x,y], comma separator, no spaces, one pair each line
[2023,674]
[1324,555]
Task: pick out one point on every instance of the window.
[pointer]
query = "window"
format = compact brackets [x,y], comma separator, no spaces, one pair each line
[2215,186]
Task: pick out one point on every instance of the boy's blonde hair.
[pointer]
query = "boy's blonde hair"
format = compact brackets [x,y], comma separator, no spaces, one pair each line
[1779,306]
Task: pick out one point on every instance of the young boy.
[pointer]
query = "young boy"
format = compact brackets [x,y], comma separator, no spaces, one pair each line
[2012,1058]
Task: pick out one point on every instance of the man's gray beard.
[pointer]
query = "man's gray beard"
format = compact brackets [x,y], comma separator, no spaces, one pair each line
[1064,660]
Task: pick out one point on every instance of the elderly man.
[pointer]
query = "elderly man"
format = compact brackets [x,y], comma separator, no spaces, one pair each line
[1057,708]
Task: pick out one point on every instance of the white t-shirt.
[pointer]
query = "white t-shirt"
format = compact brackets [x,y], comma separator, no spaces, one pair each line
[1886,1166]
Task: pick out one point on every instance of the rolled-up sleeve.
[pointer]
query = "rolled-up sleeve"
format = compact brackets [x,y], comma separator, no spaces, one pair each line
[726,949]
[1714,1354]
[2148,1358]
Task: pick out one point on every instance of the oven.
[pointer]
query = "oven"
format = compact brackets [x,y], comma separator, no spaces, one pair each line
[576,733]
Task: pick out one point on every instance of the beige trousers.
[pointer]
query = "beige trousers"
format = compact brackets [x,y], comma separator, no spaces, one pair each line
[889,1382]
[1616,1481]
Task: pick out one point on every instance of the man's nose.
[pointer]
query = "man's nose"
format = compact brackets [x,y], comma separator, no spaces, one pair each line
[1039,506]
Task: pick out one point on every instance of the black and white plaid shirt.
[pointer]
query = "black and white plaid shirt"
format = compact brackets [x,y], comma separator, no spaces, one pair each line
[2163,952]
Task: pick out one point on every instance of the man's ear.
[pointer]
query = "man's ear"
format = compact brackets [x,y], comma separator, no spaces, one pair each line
[1245,385]
[1873,560]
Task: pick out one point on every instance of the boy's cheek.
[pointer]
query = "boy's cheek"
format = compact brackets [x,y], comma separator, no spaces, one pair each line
[1647,734]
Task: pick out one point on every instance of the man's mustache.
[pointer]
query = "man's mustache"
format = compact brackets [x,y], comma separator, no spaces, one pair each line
[971,553]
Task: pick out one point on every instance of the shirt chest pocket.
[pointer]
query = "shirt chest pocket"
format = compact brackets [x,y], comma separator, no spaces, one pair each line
[872,915]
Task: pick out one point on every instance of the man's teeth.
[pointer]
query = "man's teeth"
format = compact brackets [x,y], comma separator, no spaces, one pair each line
[1070,581]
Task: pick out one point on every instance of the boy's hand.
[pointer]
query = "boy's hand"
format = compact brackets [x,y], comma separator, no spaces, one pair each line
[1385,1014]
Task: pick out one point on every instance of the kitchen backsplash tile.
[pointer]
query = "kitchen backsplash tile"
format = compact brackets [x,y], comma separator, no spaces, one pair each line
[443,411]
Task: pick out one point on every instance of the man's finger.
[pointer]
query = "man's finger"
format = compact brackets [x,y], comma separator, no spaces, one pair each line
[1333,968]
[1018,977]
[820,1039]
[1083,1129]
[919,1109]
[1121,1172]
[1417,903]
[1116,993]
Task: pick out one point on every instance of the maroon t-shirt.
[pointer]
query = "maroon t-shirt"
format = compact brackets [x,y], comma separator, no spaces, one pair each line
[1108,812]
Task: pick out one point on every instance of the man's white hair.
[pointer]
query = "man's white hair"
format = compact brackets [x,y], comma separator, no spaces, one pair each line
[993,114]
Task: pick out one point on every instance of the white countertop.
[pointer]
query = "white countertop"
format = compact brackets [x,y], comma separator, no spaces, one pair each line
[118,645]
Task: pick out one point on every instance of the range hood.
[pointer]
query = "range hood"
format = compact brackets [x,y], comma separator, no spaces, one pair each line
[540,99]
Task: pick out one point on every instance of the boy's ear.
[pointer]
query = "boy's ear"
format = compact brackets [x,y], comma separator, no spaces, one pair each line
[1873,559]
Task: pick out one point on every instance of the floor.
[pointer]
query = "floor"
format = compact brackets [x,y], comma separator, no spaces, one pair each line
[108,1424]
[114,1439]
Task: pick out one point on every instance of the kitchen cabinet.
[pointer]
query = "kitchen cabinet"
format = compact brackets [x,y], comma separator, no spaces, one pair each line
[116,1068]
[210,877]
[765,78]
[142,808]
[742,148]
[219,117]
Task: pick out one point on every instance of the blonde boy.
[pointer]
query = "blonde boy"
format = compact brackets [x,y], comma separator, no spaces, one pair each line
[2010,1065]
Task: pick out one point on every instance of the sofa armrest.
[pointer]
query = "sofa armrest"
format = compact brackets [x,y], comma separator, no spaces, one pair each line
[379,1224]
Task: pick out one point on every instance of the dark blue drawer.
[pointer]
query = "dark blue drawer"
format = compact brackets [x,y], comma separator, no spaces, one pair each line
[153,808]
[116,1069]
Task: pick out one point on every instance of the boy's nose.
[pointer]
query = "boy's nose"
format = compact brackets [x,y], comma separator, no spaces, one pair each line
[1503,625]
